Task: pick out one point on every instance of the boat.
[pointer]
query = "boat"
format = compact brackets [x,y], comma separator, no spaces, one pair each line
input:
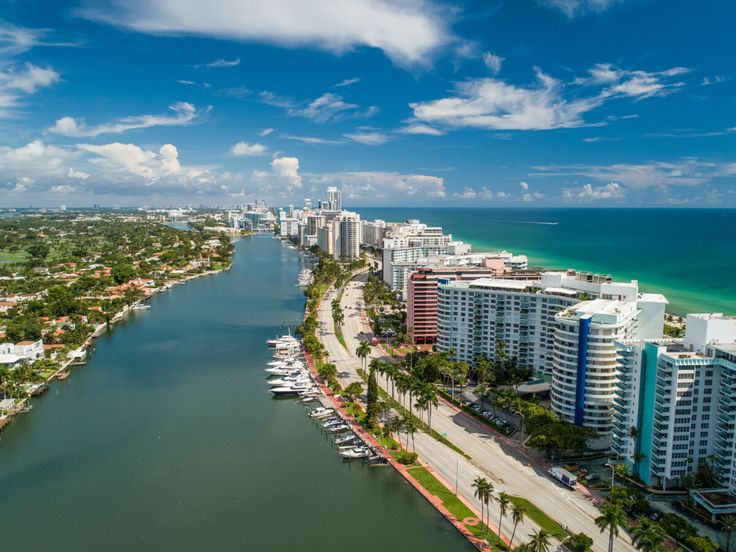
[321,411]
[307,399]
[345,439]
[140,306]
[280,382]
[356,452]
[338,428]
[284,391]
[281,371]
[63,375]
[332,422]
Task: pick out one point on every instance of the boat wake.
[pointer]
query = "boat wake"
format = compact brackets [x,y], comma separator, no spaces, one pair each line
[531,222]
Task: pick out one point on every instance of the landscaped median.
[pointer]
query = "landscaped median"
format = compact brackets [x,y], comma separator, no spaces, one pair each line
[540,518]
[455,506]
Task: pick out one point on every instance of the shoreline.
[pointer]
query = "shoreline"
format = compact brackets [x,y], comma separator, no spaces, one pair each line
[23,405]
[403,471]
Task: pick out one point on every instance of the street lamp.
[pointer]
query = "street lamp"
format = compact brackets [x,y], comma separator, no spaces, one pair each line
[520,413]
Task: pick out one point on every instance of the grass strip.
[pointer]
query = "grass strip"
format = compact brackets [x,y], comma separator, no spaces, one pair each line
[454,505]
[540,518]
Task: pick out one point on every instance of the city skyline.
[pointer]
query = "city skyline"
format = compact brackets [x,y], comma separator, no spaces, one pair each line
[468,105]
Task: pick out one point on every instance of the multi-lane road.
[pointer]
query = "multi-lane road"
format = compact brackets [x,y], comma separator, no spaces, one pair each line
[492,455]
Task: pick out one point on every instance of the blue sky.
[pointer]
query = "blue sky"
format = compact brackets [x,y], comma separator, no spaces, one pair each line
[408,102]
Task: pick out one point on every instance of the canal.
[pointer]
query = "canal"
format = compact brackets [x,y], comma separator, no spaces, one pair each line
[168,440]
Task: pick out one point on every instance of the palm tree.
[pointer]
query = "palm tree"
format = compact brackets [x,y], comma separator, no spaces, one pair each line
[647,535]
[478,485]
[729,524]
[518,514]
[429,395]
[540,541]
[410,428]
[503,505]
[487,499]
[613,516]
[362,352]
[402,384]
[338,318]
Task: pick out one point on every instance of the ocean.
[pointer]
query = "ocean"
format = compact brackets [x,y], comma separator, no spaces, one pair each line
[687,254]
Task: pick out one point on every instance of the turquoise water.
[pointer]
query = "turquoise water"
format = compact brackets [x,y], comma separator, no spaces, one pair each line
[687,254]
[168,440]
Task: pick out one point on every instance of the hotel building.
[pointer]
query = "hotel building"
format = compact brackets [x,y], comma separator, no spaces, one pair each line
[679,396]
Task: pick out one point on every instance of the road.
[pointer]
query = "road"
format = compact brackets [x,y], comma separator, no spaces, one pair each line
[493,455]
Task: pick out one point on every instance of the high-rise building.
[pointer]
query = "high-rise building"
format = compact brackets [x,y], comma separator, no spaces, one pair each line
[334,200]
[674,403]
[584,358]
[421,297]
[346,235]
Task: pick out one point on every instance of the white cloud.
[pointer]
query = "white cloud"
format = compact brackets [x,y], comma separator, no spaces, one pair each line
[284,175]
[421,129]
[63,189]
[16,82]
[494,104]
[241,148]
[633,84]
[122,169]
[346,82]
[407,31]
[329,107]
[489,103]
[16,40]
[640,176]
[379,185]
[311,139]
[265,131]
[524,186]
[467,193]
[184,114]
[531,196]
[367,138]
[220,63]
[575,8]
[716,79]
[493,62]
[588,192]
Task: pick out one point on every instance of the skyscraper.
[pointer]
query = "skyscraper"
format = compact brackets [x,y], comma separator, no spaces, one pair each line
[334,199]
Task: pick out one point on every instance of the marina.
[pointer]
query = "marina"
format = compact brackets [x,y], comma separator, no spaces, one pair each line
[167,438]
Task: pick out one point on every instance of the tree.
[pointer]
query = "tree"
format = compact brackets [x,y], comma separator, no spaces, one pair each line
[613,517]
[503,506]
[483,491]
[540,541]
[518,514]
[371,407]
[426,400]
[410,428]
[729,524]
[647,535]
[327,371]
[578,542]
[338,318]
[353,390]
[122,272]
[362,352]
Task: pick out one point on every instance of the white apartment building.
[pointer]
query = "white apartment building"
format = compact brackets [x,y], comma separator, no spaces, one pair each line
[679,395]
[346,235]
[326,239]
[584,368]
[334,200]
[473,316]
[373,232]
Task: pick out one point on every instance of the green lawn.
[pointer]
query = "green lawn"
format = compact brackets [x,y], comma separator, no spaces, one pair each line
[455,506]
[12,256]
[540,518]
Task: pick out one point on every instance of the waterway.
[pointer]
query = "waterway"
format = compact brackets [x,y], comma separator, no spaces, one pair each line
[168,440]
